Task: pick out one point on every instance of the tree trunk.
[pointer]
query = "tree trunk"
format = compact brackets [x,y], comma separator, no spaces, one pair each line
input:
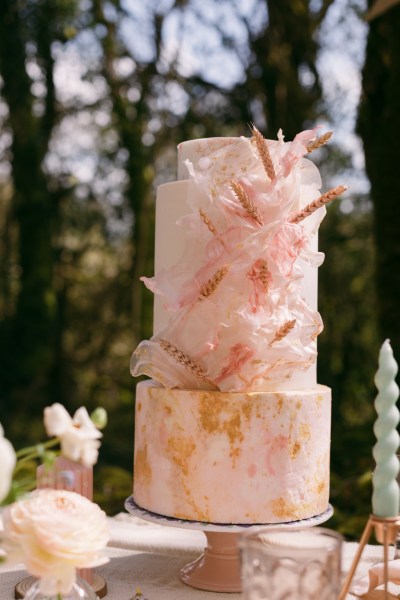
[138,164]
[379,127]
[282,76]
[28,346]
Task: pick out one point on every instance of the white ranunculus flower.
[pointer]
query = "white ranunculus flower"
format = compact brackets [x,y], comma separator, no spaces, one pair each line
[79,437]
[7,464]
[56,419]
[55,532]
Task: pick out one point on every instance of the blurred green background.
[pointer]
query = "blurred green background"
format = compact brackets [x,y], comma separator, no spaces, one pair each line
[94,97]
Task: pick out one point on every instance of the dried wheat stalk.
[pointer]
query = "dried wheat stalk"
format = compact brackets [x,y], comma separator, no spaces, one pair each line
[318,203]
[264,272]
[321,141]
[207,221]
[283,331]
[208,288]
[184,360]
[245,201]
[263,152]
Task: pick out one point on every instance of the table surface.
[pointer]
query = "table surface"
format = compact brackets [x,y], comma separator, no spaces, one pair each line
[149,556]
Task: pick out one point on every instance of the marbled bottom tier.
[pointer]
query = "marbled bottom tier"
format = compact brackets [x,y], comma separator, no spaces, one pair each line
[261,457]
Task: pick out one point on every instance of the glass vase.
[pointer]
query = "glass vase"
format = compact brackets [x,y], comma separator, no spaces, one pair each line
[301,564]
[66,474]
[81,590]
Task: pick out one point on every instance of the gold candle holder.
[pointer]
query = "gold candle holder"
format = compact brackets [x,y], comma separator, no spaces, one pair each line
[386,529]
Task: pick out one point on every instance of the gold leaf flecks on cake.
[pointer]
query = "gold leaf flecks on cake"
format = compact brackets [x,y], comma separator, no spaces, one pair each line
[180,450]
[319,481]
[289,511]
[210,409]
[247,408]
[305,431]
[233,430]
[321,487]
[201,514]
[279,403]
[294,449]
[220,416]
[142,467]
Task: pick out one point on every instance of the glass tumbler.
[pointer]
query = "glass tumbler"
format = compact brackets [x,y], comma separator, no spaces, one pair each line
[290,564]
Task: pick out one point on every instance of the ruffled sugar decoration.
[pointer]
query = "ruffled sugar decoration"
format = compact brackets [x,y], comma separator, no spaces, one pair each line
[238,318]
[165,363]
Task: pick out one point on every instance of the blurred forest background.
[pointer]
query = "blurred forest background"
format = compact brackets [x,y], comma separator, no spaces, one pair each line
[94,97]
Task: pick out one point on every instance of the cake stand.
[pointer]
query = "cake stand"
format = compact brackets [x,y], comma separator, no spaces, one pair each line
[218,568]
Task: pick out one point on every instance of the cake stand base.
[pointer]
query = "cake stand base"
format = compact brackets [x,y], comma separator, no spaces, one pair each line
[218,568]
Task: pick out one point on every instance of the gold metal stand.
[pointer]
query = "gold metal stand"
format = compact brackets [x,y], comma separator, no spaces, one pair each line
[386,529]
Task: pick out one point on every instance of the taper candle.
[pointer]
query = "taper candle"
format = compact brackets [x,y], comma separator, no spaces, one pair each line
[386,493]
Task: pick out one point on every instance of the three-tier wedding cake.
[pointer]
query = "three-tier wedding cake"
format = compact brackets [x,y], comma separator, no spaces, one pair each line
[232,427]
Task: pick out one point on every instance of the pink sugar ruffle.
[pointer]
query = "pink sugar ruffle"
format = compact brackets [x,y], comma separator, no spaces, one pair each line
[230,335]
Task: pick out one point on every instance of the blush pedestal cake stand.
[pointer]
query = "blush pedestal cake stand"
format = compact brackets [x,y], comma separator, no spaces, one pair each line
[218,568]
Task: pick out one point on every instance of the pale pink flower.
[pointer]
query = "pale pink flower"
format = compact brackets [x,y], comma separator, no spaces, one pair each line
[55,532]
[7,464]
[79,437]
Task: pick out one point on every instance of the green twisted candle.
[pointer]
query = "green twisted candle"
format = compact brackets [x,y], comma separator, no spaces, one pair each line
[386,493]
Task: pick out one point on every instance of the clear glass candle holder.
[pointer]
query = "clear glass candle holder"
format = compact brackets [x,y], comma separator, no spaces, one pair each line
[285,564]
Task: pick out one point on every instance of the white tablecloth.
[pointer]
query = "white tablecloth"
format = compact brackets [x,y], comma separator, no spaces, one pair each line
[149,556]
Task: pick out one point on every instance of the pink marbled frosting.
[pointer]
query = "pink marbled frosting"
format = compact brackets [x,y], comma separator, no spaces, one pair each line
[232,457]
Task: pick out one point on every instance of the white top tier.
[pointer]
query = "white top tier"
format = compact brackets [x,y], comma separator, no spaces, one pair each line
[172,204]
[195,150]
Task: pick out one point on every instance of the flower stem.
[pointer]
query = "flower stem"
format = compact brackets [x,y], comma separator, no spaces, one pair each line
[37,449]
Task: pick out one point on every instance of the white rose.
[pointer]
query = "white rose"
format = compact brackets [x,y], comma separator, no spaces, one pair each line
[7,464]
[55,532]
[79,437]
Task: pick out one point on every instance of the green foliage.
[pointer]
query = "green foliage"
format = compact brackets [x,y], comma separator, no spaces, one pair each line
[83,156]
[113,487]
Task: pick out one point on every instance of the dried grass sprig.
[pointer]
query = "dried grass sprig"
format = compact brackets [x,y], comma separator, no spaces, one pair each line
[318,203]
[263,152]
[208,221]
[283,331]
[245,201]
[321,141]
[208,288]
[184,360]
[264,274]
